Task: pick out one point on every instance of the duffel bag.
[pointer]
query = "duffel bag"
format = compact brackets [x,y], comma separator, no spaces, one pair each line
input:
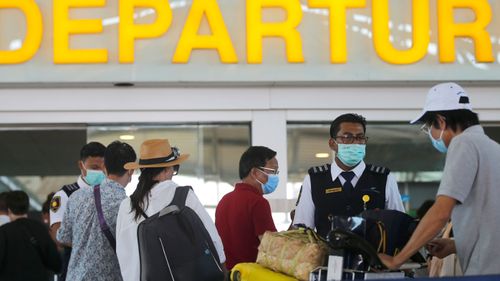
[294,252]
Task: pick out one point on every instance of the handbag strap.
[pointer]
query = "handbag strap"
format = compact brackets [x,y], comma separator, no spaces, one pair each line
[102,222]
[447,230]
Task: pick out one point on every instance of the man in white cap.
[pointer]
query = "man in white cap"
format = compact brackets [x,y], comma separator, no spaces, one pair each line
[469,189]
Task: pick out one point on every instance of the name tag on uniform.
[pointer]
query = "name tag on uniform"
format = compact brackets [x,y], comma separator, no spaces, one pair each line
[333,190]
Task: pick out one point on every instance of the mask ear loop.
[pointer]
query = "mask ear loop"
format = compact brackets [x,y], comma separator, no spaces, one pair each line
[256,178]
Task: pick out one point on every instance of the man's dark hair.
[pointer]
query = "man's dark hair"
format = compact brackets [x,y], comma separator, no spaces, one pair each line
[254,156]
[346,118]
[46,204]
[118,154]
[422,210]
[18,202]
[3,202]
[92,149]
[455,119]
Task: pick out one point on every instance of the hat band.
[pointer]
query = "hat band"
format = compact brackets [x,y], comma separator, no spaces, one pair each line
[153,161]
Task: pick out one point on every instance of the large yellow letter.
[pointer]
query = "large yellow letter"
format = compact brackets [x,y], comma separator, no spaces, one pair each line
[129,31]
[64,27]
[476,30]
[338,41]
[256,29]
[219,39]
[34,30]
[381,33]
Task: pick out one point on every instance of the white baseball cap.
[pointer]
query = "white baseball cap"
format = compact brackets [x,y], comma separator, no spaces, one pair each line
[443,97]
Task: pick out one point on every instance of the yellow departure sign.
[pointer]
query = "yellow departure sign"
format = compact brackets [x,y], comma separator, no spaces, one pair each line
[257,30]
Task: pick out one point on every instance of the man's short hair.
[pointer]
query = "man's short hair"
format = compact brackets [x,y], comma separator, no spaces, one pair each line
[116,156]
[46,204]
[346,118]
[3,202]
[455,119]
[254,156]
[92,149]
[18,202]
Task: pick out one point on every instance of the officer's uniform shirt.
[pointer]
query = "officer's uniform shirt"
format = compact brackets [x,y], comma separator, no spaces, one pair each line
[59,202]
[304,213]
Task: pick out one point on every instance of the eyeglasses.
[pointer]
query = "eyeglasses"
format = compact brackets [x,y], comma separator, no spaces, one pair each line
[426,128]
[348,139]
[269,170]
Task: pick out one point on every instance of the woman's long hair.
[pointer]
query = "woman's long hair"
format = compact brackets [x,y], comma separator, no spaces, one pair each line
[146,183]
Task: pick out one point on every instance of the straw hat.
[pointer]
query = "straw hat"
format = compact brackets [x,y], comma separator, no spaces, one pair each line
[157,153]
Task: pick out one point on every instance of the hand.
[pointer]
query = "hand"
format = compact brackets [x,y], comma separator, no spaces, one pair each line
[389,261]
[441,247]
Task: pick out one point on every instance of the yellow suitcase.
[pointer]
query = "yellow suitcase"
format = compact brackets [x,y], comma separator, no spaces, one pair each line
[256,272]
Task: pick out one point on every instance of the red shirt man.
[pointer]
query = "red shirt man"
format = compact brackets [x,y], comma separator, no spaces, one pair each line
[243,215]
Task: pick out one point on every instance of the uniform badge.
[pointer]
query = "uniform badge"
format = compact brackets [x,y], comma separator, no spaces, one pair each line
[55,203]
[333,190]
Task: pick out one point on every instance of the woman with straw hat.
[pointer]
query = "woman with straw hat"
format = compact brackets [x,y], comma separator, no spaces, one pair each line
[158,162]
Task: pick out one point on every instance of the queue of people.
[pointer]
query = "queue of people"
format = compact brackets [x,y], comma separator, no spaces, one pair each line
[97,224]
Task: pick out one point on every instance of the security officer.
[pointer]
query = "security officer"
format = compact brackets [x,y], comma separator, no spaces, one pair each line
[91,166]
[348,185]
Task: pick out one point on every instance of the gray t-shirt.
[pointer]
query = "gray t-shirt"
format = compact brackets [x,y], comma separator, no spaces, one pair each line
[472,176]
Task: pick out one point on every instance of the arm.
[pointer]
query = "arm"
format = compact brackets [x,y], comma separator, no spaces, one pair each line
[56,213]
[430,226]
[262,218]
[65,231]
[304,213]
[54,261]
[194,203]
[392,196]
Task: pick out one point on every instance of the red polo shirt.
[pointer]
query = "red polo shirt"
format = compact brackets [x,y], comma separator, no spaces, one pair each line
[241,216]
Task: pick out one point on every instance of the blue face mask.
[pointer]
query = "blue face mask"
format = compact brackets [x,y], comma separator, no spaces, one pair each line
[271,184]
[94,177]
[351,154]
[439,143]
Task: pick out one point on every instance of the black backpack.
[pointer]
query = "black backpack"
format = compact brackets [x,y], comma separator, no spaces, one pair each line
[174,245]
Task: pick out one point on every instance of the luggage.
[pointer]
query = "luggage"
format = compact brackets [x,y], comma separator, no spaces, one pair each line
[174,245]
[256,272]
[397,228]
[295,252]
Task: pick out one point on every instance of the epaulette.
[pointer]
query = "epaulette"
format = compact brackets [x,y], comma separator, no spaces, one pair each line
[70,188]
[378,169]
[319,169]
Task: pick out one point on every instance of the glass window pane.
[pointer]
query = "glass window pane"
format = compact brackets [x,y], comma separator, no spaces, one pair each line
[403,148]
[215,150]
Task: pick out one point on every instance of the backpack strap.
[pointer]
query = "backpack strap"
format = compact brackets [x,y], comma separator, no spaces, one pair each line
[102,222]
[180,196]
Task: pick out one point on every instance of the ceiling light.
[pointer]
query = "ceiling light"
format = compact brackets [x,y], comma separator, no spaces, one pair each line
[127,137]
[322,155]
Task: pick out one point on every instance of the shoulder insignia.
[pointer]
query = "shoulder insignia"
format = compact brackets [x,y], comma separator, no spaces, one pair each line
[70,188]
[379,169]
[319,169]
[55,203]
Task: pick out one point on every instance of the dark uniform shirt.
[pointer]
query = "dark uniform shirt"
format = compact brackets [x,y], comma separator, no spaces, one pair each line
[27,252]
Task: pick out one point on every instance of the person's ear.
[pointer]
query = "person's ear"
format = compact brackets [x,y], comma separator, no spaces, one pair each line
[255,173]
[333,145]
[83,171]
[442,122]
